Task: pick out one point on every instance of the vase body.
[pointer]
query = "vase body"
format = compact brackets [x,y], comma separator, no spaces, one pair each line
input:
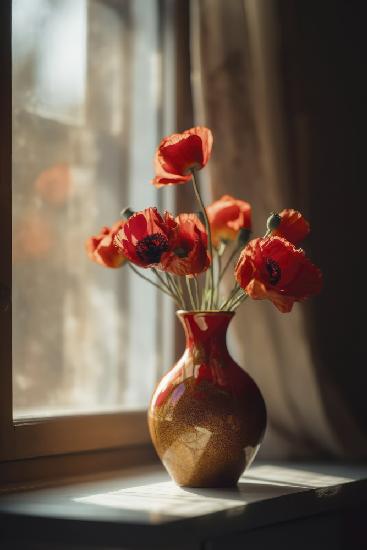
[207,416]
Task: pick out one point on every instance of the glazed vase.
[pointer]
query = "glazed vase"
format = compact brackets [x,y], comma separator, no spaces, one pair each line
[207,417]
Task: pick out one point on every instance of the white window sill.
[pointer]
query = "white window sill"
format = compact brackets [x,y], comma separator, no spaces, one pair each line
[142,508]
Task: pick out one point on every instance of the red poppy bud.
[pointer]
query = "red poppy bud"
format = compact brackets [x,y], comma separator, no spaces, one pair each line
[102,248]
[227,216]
[293,226]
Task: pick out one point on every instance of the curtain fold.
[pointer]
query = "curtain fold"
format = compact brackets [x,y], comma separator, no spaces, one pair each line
[244,78]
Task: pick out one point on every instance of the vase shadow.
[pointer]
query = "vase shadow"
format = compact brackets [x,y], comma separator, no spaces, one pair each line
[248,491]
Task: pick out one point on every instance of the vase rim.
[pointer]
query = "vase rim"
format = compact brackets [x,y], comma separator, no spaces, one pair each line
[184,312]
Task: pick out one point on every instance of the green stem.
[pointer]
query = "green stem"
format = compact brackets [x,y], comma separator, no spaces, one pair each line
[207,226]
[238,297]
[152,282]
[174,289]
[169,284]
[205,301]
[190,292]
[203,294]
[160,277]
[217,286]
[229,261]
[170,287]
[176,284]
[233,293]
[197,293]
[238,301]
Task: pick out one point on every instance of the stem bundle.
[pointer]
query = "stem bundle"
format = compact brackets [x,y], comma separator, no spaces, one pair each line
[210,294]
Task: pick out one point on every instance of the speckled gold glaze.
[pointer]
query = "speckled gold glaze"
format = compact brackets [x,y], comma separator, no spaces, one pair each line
[207,417]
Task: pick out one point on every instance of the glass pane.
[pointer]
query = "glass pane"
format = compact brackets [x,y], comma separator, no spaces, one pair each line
[85,117]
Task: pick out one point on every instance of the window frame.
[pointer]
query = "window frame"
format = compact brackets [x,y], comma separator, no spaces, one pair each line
[77,434]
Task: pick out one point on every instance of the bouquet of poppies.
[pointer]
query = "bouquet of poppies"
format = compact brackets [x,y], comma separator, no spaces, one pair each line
[188,255]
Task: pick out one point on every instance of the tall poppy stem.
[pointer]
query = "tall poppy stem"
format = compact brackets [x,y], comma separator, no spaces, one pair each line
[175,289]
[238,301]
[197,292]
[153,283]
[207,226]
[229,261]
[177,283]
[232,295]
[217,286]
[190,292]
[165,285]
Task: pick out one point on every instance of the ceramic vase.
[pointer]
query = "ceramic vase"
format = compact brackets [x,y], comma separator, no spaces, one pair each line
[207,416]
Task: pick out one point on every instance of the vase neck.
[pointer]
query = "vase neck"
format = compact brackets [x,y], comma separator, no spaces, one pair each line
[205,328]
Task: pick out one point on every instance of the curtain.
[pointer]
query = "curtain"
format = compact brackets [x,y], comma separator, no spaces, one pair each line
[266,80]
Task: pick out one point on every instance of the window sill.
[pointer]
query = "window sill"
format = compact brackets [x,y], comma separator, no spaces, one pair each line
[141,508]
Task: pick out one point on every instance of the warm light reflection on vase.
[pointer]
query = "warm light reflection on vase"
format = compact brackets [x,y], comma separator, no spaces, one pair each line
[207,417]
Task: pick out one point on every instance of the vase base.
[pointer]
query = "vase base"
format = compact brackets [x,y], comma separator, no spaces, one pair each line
[211,486]
[207,416]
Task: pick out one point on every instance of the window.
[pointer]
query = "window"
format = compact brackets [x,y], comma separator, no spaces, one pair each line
[89,78]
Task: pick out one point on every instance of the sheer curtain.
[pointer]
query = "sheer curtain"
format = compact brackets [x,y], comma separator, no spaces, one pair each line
[248,67]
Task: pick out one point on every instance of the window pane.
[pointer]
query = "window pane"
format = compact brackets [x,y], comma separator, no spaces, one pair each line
[86,93]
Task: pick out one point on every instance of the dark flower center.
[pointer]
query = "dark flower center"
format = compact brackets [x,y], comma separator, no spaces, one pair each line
[274,271]
[180,252]
[150,249]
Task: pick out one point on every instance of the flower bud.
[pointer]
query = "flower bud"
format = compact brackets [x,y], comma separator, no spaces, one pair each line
[273,221]
[243,235]
[221,248]
[126,213]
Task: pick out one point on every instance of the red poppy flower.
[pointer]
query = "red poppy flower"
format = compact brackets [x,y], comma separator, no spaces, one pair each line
[102,248]
[272,268]
[54,184]
[34,238]
[144,238]
[178,154]
[188,247]
[293,226]
[227,216]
